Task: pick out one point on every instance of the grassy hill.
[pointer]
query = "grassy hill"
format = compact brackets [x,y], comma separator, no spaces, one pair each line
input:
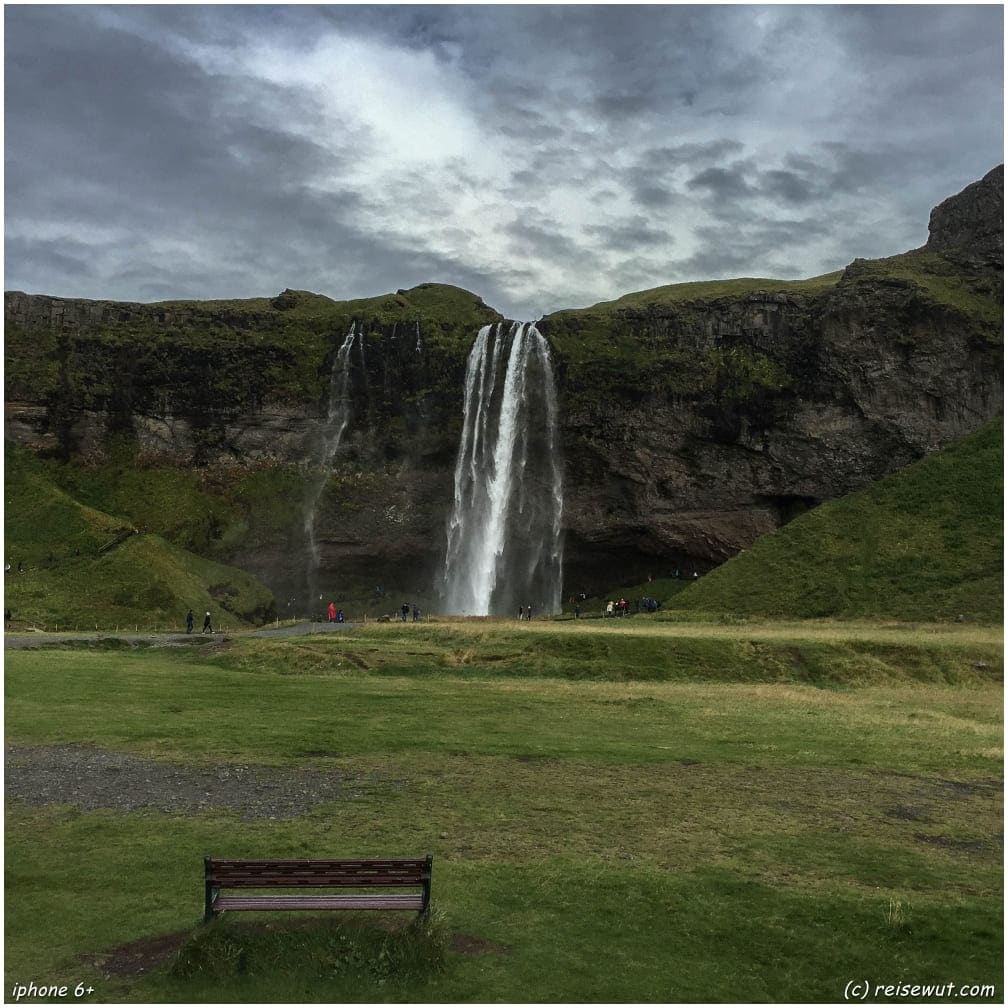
[924,544]
[77,564]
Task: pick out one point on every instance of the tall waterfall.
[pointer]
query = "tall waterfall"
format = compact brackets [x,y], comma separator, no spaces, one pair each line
[504,544]
[330,435]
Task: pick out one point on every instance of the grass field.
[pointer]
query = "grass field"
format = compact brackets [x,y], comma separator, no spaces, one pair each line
[636,812]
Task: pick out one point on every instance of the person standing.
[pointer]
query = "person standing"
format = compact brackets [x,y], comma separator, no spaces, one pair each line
[332,612]
[207,627]
[189,621]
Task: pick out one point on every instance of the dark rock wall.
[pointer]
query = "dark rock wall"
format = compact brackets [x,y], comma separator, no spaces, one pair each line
[858,382]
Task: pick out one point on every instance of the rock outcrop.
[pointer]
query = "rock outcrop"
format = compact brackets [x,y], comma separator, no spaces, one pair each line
[970,225]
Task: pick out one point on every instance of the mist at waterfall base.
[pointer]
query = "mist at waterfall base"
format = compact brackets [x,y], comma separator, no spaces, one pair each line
[504,545]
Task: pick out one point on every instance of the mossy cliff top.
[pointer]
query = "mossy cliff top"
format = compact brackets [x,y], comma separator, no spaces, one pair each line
[214,355]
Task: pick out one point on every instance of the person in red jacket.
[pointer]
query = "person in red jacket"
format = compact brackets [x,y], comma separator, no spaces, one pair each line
[332,612]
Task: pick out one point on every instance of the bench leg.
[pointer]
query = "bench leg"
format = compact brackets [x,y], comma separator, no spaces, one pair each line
[428,871]
[210,894]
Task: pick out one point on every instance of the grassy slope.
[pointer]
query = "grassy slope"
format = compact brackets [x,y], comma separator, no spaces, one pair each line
[924,544]
[146,581]
[672,294]
[728,841]
[931,274]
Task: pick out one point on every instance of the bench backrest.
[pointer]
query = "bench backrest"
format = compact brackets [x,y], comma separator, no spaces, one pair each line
[366,873]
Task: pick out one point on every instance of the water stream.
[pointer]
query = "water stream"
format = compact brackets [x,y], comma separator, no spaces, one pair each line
[504,547]
[330,434]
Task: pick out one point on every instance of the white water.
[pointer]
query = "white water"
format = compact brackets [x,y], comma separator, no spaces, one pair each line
[330,435]
[504,543]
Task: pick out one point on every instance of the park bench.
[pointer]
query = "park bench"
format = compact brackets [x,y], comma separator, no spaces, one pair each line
[221,876]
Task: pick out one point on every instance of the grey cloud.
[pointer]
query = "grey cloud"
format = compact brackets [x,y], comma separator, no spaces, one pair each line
[628,235]
[790,186]
[756,247]
[690,154]
[541,238]
[723,183]
[68,264]
[651,195]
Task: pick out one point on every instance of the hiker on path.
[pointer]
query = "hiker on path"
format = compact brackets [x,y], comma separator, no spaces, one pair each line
[405,611]
[207,627]
[332,612]
[189,620]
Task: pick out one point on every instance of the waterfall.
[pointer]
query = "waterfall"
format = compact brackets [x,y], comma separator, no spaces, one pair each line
[504,544]
[330,435]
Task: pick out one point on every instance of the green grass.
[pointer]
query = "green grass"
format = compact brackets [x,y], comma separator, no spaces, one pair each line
[708,290]
[657,833]
[926,543]
[939,283]
[70,579]
[923,544]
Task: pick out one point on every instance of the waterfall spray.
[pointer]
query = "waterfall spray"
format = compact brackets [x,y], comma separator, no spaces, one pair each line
[504,543]
[330,435]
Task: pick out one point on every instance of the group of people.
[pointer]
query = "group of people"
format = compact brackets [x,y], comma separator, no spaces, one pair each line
[525,614]
[622,608]
[405,611]
[336,615]
[190,622]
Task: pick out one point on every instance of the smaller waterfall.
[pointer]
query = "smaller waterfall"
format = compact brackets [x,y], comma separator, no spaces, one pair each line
[330,434]
[504,543]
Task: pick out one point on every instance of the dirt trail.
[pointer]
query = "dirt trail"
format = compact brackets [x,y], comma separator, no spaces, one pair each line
[18,640]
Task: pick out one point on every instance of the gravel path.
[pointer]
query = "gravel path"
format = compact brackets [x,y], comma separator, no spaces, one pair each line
[15,641]
[91,778]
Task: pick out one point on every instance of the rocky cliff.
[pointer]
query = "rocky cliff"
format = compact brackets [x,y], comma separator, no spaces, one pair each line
[694,417]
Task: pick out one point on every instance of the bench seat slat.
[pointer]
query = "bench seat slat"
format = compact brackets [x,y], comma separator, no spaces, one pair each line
[271,873]
[222,880]
[223,876]
[333,902]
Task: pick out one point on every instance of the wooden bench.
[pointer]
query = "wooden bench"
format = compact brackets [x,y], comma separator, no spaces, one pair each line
[368,874]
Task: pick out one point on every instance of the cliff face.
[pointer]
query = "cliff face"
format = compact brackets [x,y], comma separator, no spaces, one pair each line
[790,400]
[970,226]
[694,418]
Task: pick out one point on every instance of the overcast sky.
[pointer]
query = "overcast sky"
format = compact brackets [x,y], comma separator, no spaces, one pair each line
[541,157]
